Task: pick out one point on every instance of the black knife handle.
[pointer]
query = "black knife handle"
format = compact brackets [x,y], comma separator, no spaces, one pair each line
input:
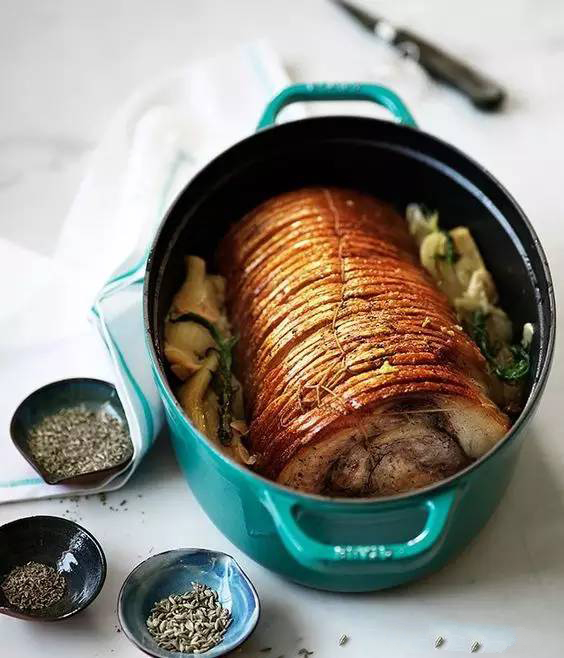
[483,92]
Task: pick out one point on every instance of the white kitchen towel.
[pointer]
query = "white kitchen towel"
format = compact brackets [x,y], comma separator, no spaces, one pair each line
[163,135]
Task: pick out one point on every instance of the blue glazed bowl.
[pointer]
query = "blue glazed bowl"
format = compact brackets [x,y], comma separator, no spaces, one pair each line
[173,572]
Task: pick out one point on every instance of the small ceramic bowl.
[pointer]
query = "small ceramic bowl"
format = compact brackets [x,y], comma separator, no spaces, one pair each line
[61,544]
[91,394]
[173,572]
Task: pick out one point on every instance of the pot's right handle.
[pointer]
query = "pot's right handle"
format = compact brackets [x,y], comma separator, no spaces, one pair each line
[338,91]
[367,558]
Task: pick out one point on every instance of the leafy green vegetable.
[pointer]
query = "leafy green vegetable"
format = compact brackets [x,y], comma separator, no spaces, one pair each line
[223,376]
[509,373]
[479,334]
[450,255]
[516,370]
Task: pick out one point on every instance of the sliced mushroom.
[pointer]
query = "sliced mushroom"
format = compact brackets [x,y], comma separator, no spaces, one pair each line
[186,345]
[200,294]
[237,404]
[216,289]
[238,449]
[211,414]
[192,394]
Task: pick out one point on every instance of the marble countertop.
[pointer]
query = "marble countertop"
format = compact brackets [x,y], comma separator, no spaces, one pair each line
[65,68]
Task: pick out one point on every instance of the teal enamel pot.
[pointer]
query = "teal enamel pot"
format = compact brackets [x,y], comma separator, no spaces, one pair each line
[343,544]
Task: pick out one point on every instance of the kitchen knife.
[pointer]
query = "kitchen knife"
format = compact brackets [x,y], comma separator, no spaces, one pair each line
[483,92]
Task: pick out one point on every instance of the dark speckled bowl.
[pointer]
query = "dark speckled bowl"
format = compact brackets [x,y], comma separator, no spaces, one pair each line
[61,544]
[172,573]
[92,394]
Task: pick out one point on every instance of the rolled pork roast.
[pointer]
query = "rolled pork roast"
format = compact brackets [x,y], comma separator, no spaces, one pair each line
[358,379]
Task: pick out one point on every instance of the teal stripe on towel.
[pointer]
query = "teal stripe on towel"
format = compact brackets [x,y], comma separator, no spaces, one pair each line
[144,404]
[138,390]
[20,483]
[180,158]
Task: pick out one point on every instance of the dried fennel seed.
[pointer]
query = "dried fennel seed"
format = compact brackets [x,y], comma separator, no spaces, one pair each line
[75,441]
[192,622]
[33,586]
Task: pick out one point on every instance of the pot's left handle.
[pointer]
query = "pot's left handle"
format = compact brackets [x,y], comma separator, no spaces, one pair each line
[341,91]
[365,558]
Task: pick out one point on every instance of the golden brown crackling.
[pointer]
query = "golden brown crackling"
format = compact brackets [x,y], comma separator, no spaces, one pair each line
[324,288]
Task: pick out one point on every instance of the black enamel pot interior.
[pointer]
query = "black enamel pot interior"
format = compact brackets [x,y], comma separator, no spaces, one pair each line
[393,162]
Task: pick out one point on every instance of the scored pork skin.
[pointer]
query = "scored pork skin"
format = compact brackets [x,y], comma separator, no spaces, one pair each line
[357,378]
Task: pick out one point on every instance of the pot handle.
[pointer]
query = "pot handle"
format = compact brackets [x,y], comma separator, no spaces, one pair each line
[338,91]
[368,558]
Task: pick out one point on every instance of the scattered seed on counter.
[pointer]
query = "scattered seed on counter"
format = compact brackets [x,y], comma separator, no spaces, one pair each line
[439,641]
[343,640]
[475,647]
[33,586]
[192,622]
[75,441]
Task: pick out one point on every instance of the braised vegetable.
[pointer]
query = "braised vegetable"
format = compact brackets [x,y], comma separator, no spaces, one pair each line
[201,293]
[449,254]
[224,349]
[514,371]
[453,259]
[186,346]
[198,347]
[192,394]
[480,336]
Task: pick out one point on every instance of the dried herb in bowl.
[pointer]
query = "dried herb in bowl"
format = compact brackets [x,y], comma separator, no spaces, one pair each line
[192,622]
[33,586]
[76,441]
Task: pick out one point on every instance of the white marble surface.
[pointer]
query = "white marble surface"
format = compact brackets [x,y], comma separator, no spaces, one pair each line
[65,68]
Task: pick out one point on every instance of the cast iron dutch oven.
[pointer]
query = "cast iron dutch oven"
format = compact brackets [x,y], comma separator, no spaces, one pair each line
[342,544]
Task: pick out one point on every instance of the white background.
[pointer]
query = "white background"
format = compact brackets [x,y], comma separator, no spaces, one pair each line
[65,68]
